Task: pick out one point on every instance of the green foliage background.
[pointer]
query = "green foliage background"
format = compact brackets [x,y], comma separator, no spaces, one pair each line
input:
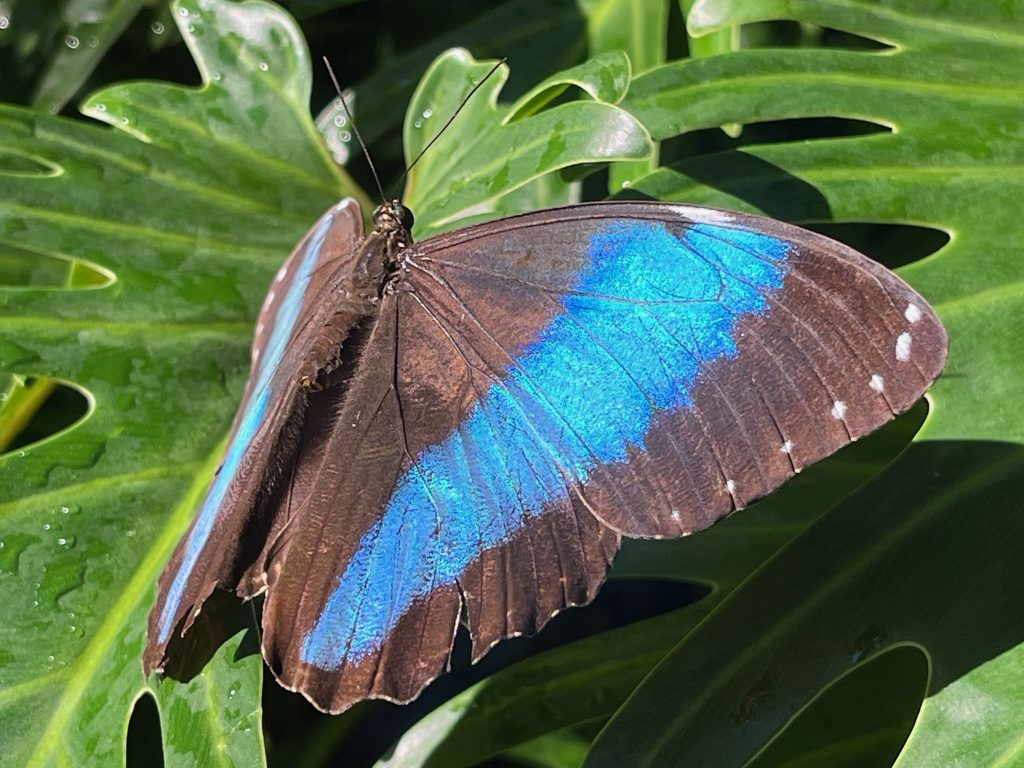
[867,614]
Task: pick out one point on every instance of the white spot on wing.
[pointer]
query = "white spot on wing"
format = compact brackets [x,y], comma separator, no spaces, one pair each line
[281,273]
[259,328]
[270,298]
[912,313]
[675,515]
[787,447]
[730,486]
[705,214]
[838,410]
[903,347]
[877,383]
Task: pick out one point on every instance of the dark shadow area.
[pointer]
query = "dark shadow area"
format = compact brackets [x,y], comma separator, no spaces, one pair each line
[222,616]
[860,721]
[44,408]
[894,245]
[792,34]
[771,189]
[707,141]
[144,748]
[620,602]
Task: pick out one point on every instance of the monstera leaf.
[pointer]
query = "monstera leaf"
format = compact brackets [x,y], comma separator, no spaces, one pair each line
[182,207]
[133,257]
[910,586]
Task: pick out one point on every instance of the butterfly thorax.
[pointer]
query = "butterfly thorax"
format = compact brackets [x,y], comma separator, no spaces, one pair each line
[376,266]
[381,255]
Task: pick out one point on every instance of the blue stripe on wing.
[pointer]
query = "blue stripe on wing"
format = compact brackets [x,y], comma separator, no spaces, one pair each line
[647,313]
[253,411]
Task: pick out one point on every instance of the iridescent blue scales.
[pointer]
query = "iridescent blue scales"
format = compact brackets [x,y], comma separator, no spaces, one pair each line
[464,427]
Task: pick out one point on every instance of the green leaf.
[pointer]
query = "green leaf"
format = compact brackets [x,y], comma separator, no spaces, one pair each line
[50,47]
[190,201]
[184,205]
[489,151]
[214,719]
[539,37]
[603,78]
[637,29]
[903,560]
[88,37]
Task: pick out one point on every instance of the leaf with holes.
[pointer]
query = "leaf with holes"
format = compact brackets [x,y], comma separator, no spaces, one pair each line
[923,556]
[177,213]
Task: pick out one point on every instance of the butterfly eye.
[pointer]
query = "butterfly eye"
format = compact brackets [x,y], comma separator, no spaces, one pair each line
[405,217]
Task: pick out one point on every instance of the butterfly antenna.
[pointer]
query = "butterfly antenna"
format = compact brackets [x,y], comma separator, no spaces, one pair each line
[455,114]
[359,138]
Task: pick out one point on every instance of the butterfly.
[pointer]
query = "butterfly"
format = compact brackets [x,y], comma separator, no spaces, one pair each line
[464,428]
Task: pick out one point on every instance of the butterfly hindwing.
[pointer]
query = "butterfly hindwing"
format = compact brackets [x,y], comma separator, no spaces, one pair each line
[225,530]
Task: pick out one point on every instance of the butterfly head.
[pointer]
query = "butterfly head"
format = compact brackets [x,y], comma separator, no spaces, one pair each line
[392,216]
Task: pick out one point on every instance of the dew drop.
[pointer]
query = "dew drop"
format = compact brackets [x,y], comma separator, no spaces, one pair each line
[46,526]
[427,113]
[156,28]
[92,42]
[418,124]
[101,107]
[22,454]
[340,120]
[626,183]
[130,532]
[191,27]
[183,12]
[72,42]
[232,692]
[264,66]
[125,121]
[50,658]
[3,397]
[345,136]
[5,22]
[62,541]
